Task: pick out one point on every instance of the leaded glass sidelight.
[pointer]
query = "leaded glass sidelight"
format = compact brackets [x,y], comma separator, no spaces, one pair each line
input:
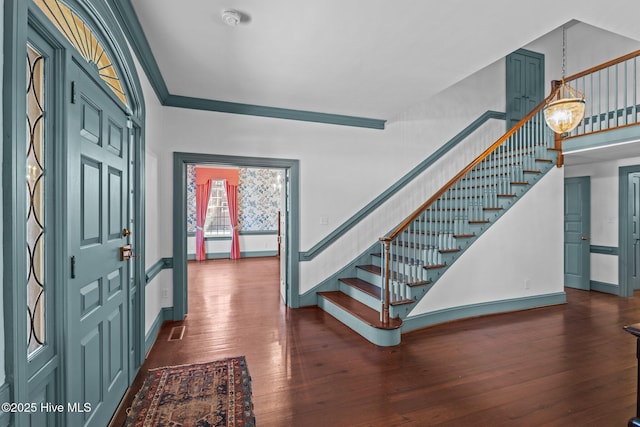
[35,169]
[84,40]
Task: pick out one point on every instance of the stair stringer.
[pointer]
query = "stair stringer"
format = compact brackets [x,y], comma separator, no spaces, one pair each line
[475,274]
[332,283]
[404,310]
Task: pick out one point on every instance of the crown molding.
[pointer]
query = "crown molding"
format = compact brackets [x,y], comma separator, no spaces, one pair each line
[128,20]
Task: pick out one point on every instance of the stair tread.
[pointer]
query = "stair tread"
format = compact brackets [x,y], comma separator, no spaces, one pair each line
[359,310]
[429,267]
[420,283]
[371,269]
[401,302]
[363,285]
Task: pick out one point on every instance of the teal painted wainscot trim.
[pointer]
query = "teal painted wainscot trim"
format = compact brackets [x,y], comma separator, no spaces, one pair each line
[605,250]
[126,15]
[225,255]
[402,182]
[241,232]
[607,288]
[473,310]
[155,269]
[5,397]
[150,337]
[258,232]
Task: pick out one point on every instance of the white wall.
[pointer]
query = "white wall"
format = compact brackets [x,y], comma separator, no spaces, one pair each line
[604,212]
[343,168]
[158,293]
[500,267]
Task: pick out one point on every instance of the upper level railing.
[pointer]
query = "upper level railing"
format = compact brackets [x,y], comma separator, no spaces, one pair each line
[612,94]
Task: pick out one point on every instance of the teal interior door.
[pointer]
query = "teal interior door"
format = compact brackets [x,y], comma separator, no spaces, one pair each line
[283,235]
[97,291]
[525,84]
[633,253]
[577,223]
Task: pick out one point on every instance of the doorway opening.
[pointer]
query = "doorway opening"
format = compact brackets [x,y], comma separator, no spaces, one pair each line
[236,213]
[288,172]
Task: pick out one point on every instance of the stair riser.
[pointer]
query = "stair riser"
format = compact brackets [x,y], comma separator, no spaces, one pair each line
[363,297]
[367,276]
[381,337]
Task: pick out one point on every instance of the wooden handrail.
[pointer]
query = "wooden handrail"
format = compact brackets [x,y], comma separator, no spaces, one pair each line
[603,66]
[400,228]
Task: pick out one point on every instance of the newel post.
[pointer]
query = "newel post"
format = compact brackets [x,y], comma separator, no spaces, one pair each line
[555,85]
[386,244]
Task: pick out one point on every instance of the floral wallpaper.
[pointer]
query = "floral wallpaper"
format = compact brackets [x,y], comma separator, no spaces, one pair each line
[258,199]
[191,198]
[259,192]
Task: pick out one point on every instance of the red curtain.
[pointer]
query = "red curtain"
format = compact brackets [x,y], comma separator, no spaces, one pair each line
[204,175]
[203,192]
[232,202]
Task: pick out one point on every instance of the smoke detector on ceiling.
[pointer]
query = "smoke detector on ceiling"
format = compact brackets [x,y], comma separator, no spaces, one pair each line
[231,17]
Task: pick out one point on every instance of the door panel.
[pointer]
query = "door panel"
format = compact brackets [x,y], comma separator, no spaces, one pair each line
[634,227]
[282,237]
[525,84]
[576,233]
[97,293]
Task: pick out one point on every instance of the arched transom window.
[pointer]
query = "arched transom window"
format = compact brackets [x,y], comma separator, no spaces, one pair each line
[85,41]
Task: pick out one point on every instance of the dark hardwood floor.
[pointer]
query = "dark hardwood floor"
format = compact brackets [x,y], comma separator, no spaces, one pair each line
[568,365]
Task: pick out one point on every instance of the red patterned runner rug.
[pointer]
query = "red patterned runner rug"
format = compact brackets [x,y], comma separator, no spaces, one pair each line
[204,394]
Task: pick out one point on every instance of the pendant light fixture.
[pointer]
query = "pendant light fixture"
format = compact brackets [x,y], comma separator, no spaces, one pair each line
[565,111]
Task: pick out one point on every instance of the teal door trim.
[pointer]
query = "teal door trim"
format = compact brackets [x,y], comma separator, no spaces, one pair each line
[623,229]
[533,96]
[180,162]
[14,201]
[18,17]
[577,240]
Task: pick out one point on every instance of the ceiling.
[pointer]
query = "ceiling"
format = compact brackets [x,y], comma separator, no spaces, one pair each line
[365,58]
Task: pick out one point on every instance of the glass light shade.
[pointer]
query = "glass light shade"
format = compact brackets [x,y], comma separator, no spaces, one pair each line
[566,112]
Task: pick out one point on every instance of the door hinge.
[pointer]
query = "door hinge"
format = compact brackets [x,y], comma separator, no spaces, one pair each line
[73,92]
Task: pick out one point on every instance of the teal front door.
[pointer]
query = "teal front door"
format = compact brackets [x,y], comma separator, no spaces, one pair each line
[577,223]
[97,371]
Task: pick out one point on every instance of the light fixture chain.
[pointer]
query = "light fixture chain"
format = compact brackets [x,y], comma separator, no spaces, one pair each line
[564,52]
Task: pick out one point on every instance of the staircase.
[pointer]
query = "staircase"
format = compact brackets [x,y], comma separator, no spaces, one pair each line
[385,284]
[390,281]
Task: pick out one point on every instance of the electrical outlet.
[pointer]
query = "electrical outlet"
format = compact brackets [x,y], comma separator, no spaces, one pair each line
[165,293]
[527,284]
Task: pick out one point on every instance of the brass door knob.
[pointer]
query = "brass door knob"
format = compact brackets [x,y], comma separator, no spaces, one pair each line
[126,232]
